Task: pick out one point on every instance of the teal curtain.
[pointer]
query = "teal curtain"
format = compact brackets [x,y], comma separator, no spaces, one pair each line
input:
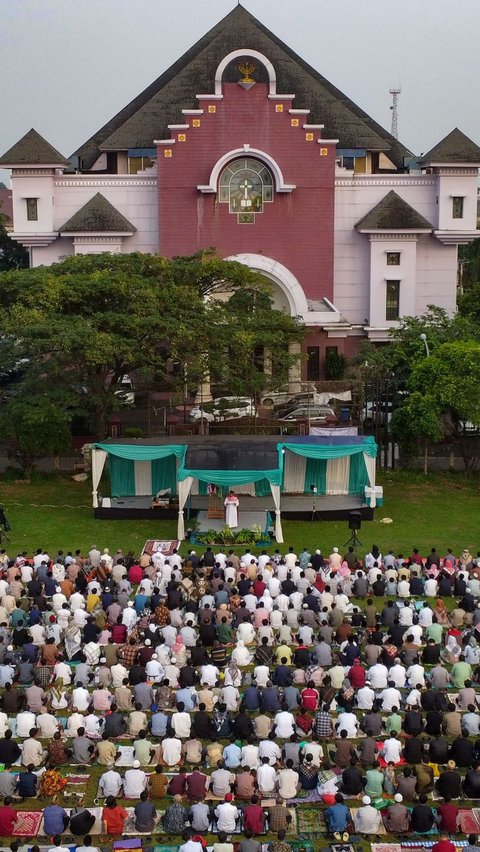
[262,488]
[316,474]
[202,488]
[326,451]
[232,477]
[122,476]
[164,474]
[358,477]
[143,452]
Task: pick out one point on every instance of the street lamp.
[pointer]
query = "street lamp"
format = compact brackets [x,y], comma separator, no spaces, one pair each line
[424,338]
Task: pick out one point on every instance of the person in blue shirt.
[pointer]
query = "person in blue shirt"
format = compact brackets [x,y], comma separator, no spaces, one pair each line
[188,696]
[232,754]
[337,816]
[251,698]
[27,782]
[55,820]
[159,724]
[140,602]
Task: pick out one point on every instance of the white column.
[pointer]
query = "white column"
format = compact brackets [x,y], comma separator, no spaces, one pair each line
[295,369]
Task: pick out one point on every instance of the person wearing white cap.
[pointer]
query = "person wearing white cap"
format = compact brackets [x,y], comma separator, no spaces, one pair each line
[155,671]
[119,672]
[134,781]
[129,616]
[335,559]
[367,819]
[397,818]
[110,783]
[58,599]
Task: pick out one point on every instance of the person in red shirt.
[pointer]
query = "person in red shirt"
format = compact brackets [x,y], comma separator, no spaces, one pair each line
[259,587]
[448,813]
[113,816]
[310,697]
[443,845]
[135,574]
[357,675]
[8,817]
[196,785]
[254,816]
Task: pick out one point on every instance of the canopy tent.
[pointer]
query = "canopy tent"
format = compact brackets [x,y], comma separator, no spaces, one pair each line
[334,465]
[136,469]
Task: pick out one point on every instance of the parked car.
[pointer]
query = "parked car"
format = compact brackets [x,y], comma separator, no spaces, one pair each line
[377,413]
[318,413]
[299,399]
[283,394]
[125,392]
[223,408]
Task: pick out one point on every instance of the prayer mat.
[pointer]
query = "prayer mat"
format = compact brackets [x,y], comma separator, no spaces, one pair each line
[407,844]
[310,820]
[386,847]
[76,786]
[342,847]
[126,757]
[28,823]
[310,796]
[165,848]
[301,846]
[468,821]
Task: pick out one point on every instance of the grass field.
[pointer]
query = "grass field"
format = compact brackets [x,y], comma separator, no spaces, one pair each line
[439,510]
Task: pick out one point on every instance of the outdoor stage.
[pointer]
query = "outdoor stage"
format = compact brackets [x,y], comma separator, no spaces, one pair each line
[295,507]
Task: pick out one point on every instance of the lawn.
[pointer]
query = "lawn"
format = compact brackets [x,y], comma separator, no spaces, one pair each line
[439,510]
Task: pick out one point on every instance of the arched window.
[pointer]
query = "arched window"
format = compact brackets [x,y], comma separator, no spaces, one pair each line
[245,185]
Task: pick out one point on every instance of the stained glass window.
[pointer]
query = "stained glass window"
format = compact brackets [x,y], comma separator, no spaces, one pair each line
[245,185]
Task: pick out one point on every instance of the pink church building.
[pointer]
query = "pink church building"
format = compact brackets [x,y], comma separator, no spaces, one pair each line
[241,146]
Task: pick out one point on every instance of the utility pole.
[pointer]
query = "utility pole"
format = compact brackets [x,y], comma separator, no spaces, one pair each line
[395,93]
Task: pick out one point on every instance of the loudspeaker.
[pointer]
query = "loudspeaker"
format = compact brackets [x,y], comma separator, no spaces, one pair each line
[354,520]
[4,520]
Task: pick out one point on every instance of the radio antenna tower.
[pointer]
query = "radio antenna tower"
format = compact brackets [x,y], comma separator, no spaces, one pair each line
[395,93]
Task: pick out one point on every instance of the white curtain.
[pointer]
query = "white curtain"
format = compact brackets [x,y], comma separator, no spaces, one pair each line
[195,489]
[370,465]
[143,477]
[338,471]
[278,521]
[184,487]
[98,463]
[247,488]
[294,475]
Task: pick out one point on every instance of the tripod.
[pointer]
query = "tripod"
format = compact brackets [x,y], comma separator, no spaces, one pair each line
[315,514]
[354,539]
[3,536]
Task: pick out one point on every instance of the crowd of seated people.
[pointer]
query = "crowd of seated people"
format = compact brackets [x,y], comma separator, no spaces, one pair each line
[216,693]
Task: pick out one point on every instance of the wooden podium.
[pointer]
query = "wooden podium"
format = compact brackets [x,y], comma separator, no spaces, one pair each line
[215,507]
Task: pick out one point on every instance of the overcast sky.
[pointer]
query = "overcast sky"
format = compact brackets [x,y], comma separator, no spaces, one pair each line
[69,65]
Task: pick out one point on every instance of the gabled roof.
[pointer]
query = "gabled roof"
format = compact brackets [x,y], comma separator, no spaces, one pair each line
[32,149]
[393,213]
[99,216]
[454,148]
[147,117]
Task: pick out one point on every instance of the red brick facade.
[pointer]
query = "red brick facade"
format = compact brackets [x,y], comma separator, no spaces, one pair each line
[296,230]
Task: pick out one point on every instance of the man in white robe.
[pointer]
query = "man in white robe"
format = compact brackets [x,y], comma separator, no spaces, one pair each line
[231,510]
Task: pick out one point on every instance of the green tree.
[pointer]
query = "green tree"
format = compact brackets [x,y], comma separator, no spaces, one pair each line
[417,418]
[84,323]
[33,429]
[450,378]
[12,254]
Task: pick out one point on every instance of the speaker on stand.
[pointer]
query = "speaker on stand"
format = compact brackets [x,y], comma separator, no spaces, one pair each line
[354,524]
